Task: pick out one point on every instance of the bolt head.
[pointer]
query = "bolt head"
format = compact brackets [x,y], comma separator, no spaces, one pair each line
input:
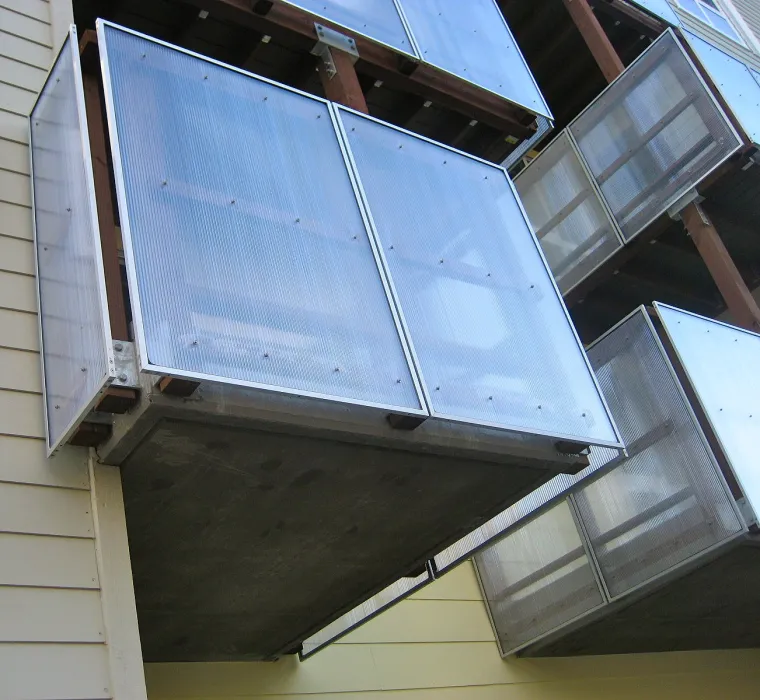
[123,377]
[118,347]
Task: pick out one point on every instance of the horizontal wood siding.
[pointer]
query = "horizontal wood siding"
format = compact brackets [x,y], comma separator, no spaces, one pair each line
[51,621]
[59,562]
[750,12]
[717,38]
[439,645]
[52,671]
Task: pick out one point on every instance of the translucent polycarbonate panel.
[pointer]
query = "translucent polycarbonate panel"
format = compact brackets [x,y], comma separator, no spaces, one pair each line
[652,135]
[736,82]
[76,334]
[491,335]
[376,19]
[661,9]
[538,578]
[472,41]
[722,363]
[666,501]
[364,612]
[568,216]
[249,259]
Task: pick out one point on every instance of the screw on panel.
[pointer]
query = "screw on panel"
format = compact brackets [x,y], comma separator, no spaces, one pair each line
[123,377]
[232,201]
[83,369]
[266,354]
[142,56]
[118,347]
[398,381]
[163,183]
[298,221]
[337,369]
[57,407]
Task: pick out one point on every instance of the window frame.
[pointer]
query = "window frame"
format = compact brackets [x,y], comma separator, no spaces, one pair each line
[715,6]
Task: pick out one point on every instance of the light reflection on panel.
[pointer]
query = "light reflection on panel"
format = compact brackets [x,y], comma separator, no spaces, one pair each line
[364,612]
[737,83]
[490,332]
[660,8]
[76,334]
[723,365]
[376,19]
[246,266]
[568,216]
[655,133]
[666,501]
[538,578]
[472,41]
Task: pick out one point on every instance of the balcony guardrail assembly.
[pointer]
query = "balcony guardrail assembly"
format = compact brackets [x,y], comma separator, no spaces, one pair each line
[646,554]
[346,349]
[649,139]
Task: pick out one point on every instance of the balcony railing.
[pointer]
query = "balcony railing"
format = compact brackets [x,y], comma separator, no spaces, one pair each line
[652,136]
[307,273]
[685,494]
[469,40]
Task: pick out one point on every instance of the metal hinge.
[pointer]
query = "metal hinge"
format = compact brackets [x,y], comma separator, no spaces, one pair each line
[330,39]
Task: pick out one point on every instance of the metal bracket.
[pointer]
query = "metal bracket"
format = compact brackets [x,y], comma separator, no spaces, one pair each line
[750,518]
[675,209]
[330,39]
[125,357]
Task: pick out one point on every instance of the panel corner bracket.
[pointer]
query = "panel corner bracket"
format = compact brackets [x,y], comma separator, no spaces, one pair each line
[329,39]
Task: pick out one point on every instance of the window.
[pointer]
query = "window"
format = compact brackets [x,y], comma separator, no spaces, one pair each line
[710,12]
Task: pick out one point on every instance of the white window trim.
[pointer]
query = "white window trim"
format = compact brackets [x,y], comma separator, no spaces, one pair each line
[735,17]
[732,16]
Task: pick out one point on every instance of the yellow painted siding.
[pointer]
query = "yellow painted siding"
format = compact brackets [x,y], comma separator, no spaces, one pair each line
[52,626]
[439,645]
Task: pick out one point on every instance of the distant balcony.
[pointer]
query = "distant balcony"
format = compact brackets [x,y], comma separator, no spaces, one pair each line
[656,551]
[344,344]
[653,137]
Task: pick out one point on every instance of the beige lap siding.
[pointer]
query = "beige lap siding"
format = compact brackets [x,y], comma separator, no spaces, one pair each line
[51,620]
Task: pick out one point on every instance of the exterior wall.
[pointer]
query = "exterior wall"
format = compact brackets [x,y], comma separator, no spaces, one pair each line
[58,636]
[439,645]
[749,54]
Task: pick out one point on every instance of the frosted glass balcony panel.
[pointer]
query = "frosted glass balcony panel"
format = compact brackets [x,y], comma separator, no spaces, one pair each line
[248,257]
[76,334]
[490,332]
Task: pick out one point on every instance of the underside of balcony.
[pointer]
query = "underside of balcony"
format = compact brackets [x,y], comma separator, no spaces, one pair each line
[248,533]
[714,606]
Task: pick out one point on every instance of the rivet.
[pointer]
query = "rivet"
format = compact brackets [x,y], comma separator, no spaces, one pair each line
[57,80]
[68,208]
[232,201]
[488,275]
[122,377]
[539,407]
[440,262]
[445,161]
[391,247]
[532,286]
[319,116]
[57,407]
[438,388]
[486,177]
[398,381]
[143,56]
[118,347]
[400,145]
[265,98]
[583,415]
[354,237]
[163,183]
[337,369]
[298,221]
[44,248]
[195,342]
[490,398]
[83,369]
[205,77]
[266,354]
